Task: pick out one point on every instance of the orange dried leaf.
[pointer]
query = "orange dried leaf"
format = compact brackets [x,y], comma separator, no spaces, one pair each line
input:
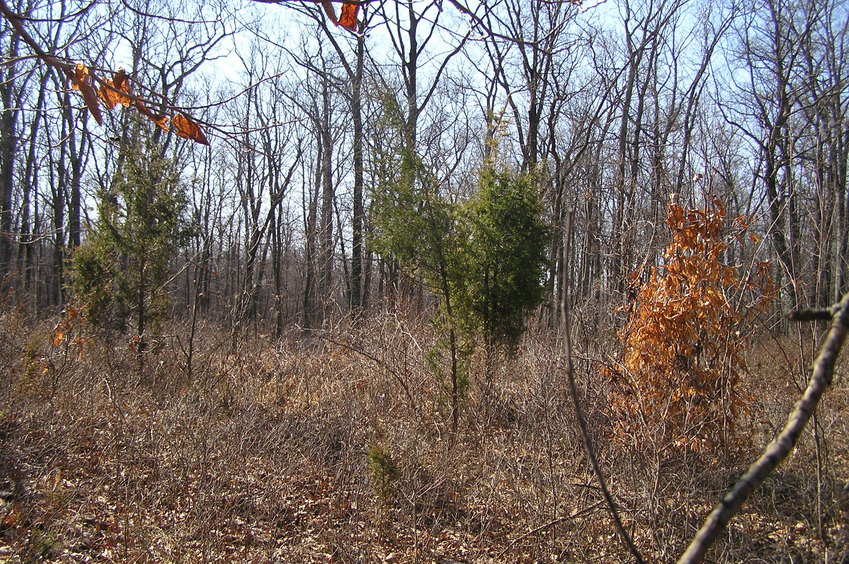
[161,121]
[158,119]
[107,95]
[116,91]
[57,339]
[92,103]
[348,18]
[79,76]
[328,9]
[122,81]
[684,336]
[186,128]
[81,81]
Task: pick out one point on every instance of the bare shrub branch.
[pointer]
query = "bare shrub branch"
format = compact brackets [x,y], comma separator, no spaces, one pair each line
[582,420]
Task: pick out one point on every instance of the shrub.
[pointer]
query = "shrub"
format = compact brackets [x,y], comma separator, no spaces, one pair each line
[687,331]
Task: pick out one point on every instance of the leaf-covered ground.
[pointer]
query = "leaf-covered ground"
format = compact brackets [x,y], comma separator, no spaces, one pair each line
[268,453]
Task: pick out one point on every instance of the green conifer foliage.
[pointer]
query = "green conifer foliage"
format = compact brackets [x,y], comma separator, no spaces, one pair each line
[505,256]
[121,269]
[484,260]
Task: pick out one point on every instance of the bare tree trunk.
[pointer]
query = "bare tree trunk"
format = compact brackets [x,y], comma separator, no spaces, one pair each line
[310,213]
[357,299]
[8,147]
[328,194]
[26,250]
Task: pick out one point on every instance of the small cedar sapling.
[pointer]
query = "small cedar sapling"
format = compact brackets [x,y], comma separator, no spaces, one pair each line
[121,269]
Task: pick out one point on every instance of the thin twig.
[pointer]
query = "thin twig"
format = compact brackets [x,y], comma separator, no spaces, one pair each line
[547,526]
[781,446]
[15,21]
[579,412]
[395,374]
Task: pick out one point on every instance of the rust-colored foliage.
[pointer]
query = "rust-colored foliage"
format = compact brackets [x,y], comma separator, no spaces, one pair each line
[348,17]
[687,331]
[81,82]
[116,91]
[158,119]
[110,93]
[119,92]
[68,330]
[186,128]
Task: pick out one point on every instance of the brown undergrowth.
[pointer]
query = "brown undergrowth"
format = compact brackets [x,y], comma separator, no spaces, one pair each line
[336,447]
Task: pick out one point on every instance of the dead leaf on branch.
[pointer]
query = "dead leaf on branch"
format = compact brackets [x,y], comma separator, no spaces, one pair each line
[158,119]
[331,13]
[348,17]
[684,341]
[186,128]
[116,91]
[81,81]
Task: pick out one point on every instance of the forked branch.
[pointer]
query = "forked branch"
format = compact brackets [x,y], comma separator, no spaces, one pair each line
[781,446]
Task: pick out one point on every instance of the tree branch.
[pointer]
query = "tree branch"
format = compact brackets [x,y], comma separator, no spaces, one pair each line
[548,525]
[781,446]
[15,21]
[813,314]
[579,413]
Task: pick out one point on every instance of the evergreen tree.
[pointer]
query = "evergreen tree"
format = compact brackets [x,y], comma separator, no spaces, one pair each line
[417,225]
[484,261]
[504,256]
[121,270]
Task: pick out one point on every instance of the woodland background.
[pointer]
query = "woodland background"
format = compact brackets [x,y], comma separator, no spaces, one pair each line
[257,375]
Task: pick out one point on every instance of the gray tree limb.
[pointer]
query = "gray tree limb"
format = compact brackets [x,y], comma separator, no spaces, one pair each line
[781,446]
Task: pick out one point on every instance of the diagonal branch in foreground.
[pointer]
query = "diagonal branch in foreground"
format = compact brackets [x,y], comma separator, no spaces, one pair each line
[781,446]
[579,411]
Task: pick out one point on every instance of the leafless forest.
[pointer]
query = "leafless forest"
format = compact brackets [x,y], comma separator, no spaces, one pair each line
[264,298]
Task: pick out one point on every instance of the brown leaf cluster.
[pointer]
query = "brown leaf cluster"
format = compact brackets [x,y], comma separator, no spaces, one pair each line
[684,341]
[118,92]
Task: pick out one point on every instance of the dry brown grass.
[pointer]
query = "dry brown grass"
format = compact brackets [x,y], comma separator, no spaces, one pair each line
[337,448]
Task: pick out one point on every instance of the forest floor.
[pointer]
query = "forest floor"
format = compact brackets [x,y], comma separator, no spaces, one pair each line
[338,448]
